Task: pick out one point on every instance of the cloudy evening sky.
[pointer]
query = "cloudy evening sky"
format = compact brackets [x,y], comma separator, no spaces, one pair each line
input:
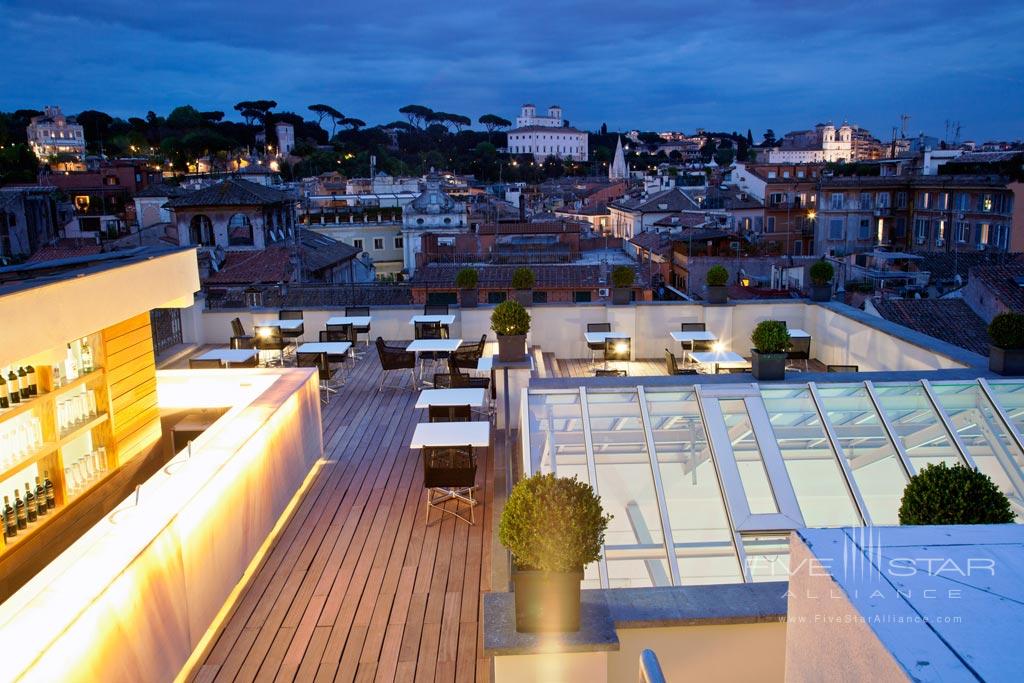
[649,64]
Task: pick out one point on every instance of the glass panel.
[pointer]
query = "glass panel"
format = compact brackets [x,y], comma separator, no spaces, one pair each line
[626,485]
[767,556]
[693,496]
[640,573]
[916,424]
[984,436]
[556,441]
[556,434]
[1010,397]
[814,471]
[870,455]
[753,474]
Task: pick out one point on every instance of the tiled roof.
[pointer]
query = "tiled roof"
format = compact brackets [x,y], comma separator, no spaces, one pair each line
[672,199]
[320,251]
[950,320]
[681,220]
[65,248]
[274,263]
[231,192]
[654,241]
[568,276]
[1002,281]
[944,265]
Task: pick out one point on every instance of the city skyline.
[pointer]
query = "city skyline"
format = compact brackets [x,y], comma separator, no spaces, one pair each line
[722,69]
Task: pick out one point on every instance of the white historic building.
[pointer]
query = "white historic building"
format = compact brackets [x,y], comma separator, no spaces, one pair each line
[52,134]
[547,136]
[434,212]
[824,143]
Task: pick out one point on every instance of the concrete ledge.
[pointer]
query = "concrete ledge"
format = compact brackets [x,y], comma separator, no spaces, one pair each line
[603,612]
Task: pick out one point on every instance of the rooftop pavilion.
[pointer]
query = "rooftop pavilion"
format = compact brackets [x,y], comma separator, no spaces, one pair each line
[295,527]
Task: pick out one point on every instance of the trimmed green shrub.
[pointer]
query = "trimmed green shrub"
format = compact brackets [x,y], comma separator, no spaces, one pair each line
[1007,331]
[953,495]
[510,318]
[822,272]
[770,336]
[467,278]
[523,278]
[553,524]
[717,276]
[623,276]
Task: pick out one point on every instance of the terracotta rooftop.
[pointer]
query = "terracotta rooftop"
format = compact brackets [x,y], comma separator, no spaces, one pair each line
[673,199]
[66,248]
[950,320]
[231,192]
[274,263]
[1004,283]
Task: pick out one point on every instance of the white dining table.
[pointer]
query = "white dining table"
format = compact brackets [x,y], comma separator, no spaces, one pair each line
[285,325]
[719,359]
[797,333]
[476,434]
[473,397]
[353,320]
[332,348]
[601,337]
[228,356]
[442,319]
[440,345]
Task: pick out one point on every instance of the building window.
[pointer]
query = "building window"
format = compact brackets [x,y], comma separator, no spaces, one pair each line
[240,231]
[982,234]
[785,174]
[924,200]
[921,230]
[835,229]
[962,229]
[495,297]
[798,248]
[771,224]
[943,201]
[865,201]
[962,201]
[882,200]
[358,244]
[776,198]
[985,203]
[200,231]
[582,297]
[540,297]
[399,243]
[901,200]
[378,243]
[999,236]
[111,180]
[900,231]
[836,201]
[940,231]
[865,229]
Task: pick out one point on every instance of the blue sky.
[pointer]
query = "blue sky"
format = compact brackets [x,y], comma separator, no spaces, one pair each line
[649,64]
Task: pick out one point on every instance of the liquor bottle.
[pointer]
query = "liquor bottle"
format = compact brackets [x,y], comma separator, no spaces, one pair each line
[57,381]
[30,503]
[70,365]
[33,389]
[13,388]
[41,505]
[23,383]
[51,502]
[86,355]
[4,403]
[10,521]
[19,511]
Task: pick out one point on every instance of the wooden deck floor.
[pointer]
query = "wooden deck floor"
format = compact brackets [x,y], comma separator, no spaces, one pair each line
[358,587]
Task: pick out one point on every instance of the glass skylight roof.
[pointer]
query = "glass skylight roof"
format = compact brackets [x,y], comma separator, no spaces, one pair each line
[706,481]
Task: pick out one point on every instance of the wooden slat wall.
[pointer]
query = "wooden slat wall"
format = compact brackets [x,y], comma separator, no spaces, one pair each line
[131,378]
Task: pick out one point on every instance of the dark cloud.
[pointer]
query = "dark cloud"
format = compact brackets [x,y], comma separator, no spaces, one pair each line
[646,63]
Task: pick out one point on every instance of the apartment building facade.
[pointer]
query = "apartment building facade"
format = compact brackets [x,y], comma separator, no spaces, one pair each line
[789,193]
[917,213]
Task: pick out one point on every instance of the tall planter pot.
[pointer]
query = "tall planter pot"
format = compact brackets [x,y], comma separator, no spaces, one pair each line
[621,295]
[1006,361]
[523,296]
[767,367]
[821,292]
[469,298]
[718,294]
[547,602]
[512,347]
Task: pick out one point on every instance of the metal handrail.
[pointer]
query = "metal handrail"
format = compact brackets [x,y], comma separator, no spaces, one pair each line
[650,669]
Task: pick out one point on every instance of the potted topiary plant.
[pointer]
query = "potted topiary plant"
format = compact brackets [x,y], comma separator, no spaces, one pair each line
[522,284]
[466,280]
[554,527]
[768,357]
[716,278]
[1006,348]
[953,495]
[623,278]
[510,322]
[821,280]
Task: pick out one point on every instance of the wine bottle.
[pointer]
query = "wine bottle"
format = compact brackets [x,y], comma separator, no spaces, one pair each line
[51,502]
[4,403]
[86,356]
[13,388]
[41,506]
[33,389]
[23,383]
[10,521]
[19,510]
[70,366]
[57,381]
[30,504]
